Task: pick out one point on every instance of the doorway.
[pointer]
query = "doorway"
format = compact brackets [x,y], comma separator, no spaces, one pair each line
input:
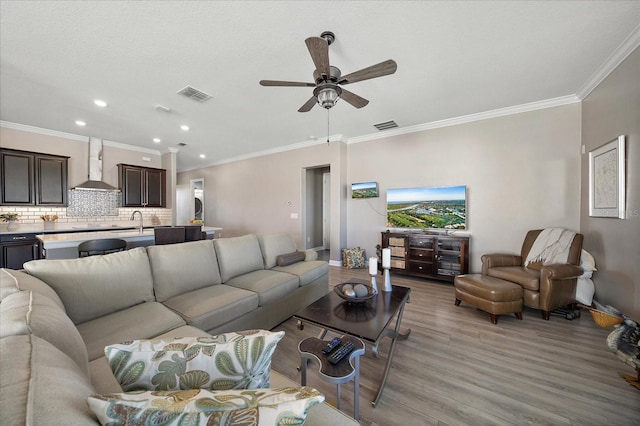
[190,202]
[317,196]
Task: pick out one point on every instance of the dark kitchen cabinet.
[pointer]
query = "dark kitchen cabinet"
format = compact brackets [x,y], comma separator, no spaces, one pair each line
[16,249]
[33,179]
[142,186]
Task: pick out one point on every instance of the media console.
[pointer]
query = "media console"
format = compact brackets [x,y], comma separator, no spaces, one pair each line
[427,255]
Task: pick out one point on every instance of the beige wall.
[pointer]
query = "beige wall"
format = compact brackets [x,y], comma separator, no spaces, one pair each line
[522,172]
[613,109]
[258,195]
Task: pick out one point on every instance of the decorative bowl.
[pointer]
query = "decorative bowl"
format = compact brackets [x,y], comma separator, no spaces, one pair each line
[371,293]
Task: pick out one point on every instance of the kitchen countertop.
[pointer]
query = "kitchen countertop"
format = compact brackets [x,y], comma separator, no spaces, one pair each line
[72,239]
[38,228]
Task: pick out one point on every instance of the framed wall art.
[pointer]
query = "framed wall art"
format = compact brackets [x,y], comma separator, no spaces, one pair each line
[607,180]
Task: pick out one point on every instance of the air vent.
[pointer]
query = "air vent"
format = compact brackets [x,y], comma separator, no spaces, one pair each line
[182,144]
[193,93]
[386,125]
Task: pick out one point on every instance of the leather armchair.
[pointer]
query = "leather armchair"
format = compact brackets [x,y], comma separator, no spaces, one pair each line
[546,287]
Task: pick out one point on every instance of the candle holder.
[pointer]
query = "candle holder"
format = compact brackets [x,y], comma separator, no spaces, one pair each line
[386,265]
[387,280]
[374,284]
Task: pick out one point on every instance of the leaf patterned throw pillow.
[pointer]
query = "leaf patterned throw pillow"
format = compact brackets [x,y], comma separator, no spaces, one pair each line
[281,406]
[240,360]
[353,258]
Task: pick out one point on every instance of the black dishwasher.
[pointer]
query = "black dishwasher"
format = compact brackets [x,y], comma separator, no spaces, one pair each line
[17,249]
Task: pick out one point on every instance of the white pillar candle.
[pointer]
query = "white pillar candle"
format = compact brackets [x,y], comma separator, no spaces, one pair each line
[386,258]
[373,266]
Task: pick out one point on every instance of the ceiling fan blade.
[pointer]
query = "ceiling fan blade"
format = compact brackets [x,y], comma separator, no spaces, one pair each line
[319,50]
[353,99]
[285,83]
[383,68]
[308,105]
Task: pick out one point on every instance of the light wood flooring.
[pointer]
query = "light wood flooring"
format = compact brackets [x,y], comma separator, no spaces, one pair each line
[457,368]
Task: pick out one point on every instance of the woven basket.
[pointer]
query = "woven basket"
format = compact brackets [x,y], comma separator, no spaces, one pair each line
[605,319]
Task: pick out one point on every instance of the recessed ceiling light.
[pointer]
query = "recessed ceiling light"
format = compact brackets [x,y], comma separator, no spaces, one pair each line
[80,123]
[203,156]
[100,103]
[184,127]
[156,140]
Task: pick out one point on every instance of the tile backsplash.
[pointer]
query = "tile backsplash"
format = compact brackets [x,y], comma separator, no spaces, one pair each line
[93,203]
[32,214]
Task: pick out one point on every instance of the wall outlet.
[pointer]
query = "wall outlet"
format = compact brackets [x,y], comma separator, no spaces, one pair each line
[294,215]
[146,158]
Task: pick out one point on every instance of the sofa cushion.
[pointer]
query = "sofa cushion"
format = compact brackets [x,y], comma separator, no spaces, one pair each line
[528,278]
[12,281]
[290,258]
[180,268]
[8,284]
[27,312]
[270,285]
[142,321]
[41,385]
[238,255]
[307,272]
[95,286]
[209,307]
[273,245]
[283,406]
[239,360]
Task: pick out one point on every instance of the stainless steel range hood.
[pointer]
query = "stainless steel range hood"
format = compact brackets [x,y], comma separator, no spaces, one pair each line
[95,182]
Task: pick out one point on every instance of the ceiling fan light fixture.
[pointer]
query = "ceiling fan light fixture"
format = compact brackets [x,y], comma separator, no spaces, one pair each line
[328,95]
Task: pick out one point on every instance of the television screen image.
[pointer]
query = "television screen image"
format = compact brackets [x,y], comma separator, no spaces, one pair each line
[364,190]
[428,207]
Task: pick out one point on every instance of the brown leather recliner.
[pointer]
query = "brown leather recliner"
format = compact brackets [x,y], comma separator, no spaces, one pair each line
[546,287]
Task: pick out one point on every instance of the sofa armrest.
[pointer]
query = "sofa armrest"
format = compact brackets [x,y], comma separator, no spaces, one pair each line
[310,255]
[558,284]
[499,259]
[560,271]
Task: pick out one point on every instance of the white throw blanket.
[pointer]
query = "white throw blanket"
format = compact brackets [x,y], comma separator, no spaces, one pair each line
[551,246]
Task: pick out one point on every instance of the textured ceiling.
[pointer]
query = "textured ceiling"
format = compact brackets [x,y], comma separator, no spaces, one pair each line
[454,59]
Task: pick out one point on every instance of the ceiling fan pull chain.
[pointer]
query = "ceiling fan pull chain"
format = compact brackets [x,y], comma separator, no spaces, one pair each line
[328,126]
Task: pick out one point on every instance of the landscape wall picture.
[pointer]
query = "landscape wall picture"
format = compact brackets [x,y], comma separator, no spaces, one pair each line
[429,207]
[364,190]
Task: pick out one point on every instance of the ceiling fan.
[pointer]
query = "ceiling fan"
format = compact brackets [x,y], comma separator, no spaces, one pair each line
[328,79]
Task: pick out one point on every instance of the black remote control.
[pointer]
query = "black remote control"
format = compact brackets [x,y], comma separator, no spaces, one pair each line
[341,352]
[332,345]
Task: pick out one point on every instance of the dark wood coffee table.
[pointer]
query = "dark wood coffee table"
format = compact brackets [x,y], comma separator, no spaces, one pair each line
[369,321]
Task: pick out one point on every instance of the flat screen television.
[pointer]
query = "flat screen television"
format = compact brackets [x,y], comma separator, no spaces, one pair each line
[364,190]
[427,207]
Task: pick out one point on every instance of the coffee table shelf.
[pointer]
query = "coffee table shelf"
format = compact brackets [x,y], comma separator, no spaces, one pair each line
[347,369]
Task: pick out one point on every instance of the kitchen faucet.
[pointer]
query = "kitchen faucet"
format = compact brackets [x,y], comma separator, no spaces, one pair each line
[133,216]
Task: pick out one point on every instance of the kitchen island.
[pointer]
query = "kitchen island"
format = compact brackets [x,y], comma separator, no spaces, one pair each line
[65,245]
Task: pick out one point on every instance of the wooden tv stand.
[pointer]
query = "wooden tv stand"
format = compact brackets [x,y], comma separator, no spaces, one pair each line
[427,255]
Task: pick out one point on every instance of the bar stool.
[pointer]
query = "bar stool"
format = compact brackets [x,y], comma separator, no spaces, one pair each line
[101,246]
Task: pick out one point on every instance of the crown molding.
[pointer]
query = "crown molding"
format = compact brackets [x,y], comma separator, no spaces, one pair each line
[72,136]
[630,44]
[130,147]
[304,144]
[41,131]
[517,109]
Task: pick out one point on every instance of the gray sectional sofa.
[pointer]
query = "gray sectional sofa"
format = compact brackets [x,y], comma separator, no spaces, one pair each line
[58,315]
